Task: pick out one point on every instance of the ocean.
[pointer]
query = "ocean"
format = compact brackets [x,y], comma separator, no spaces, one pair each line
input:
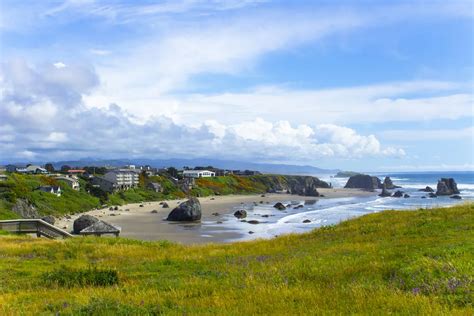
[332,211]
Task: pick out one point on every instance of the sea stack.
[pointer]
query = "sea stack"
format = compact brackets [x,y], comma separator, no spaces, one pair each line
[363,181]
[447,186]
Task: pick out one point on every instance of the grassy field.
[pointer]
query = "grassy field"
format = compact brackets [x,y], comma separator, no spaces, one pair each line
[417,262]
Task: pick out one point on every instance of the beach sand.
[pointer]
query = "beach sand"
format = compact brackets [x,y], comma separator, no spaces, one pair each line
[139,223]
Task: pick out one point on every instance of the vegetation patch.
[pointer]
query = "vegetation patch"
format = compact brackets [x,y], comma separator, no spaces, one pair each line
[392,262]
[68,277]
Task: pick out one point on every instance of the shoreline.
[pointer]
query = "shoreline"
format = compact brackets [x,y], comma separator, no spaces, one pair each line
[139,223]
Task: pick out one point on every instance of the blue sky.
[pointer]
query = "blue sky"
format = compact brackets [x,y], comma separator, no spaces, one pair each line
[358,85]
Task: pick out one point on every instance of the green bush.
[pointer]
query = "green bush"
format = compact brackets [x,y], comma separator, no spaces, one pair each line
[67,277]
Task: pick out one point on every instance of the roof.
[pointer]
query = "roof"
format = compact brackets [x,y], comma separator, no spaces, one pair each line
[194,171]
[100,227]
[48,188]
[66,179]
[76,170]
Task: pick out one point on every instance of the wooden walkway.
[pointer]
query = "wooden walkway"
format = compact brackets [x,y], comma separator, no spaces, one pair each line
[33,226]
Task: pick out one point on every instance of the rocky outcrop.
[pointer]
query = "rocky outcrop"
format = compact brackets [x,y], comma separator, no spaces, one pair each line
[432,195]
[240,214]
[388,184]
[187,211]
[300,185]
[364,182]
[427,189]
[279,206]
[447,186]
[24,209]
[398,194]
[83,222]
[49,219]
[456,197]
[385,193]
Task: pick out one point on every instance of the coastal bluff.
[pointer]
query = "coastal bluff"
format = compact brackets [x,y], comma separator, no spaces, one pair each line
[299,185]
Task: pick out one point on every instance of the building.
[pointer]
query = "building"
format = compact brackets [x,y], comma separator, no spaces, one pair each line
[76,171]
[117,180]
[16,168]
[154,186]
[70,181]
[198,173]
[3,177]
[33,169]
[56,190]
[246,172]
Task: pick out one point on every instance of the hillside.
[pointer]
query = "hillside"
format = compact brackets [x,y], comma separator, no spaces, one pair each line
[399,262]
[20,190]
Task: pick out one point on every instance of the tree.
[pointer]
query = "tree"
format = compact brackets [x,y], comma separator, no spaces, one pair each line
[65,168]
[172,171]
[142,179]
[49,167]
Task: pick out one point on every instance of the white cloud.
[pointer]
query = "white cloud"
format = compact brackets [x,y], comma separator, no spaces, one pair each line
[59,65]
[47,126]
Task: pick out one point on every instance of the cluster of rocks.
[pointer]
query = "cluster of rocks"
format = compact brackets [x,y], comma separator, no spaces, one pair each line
[446,186]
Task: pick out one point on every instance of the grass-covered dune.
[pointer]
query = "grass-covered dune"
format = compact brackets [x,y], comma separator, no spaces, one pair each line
[401,262]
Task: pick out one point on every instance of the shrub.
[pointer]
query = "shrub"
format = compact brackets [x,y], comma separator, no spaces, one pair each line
[68,277]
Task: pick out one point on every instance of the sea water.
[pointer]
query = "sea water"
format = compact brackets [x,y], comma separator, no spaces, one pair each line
[330,211]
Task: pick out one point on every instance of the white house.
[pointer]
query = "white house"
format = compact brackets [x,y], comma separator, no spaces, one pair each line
[198,173]
[51,189]
[72,182]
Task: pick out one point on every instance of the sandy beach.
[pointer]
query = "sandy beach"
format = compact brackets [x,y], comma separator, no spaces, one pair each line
[138,222]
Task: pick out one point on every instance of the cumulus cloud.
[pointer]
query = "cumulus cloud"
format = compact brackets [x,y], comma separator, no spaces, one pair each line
[51,122]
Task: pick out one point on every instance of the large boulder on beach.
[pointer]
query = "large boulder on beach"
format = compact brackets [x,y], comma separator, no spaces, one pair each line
[187,211]
[388,184]
[83,222]
[240,214]
[447,186]
[364,182]
[427,189]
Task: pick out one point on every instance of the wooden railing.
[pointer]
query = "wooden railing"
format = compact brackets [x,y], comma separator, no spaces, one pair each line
[33,226]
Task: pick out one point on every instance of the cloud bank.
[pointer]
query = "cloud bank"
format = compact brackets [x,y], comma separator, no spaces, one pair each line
[44,116]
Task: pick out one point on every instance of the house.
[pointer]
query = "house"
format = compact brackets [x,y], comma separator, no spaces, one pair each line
[198,173]
[155,187]
[76,171]
[16,168]
[246,172]
[56,190]
[70,181]
[3,177]
[118,179]
[33,169]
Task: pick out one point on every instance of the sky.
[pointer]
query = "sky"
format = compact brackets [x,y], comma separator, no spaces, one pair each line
[354,85]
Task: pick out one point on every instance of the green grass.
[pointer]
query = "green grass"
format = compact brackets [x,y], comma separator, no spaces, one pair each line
[24,187]
[393,262]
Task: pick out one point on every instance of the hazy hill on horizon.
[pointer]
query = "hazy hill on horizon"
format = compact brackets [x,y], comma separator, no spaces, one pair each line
[179,163]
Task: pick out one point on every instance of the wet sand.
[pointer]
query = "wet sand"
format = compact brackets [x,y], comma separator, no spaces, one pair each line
[138,222]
